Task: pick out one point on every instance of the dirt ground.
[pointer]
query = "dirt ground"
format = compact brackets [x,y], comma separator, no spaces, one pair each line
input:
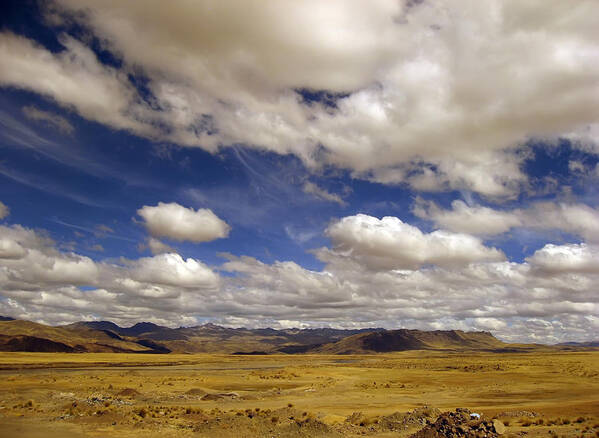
[54,395]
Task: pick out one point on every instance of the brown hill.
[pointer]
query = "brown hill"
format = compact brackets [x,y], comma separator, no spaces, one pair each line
[17,335]
[402,340]
[105,336]
[211,338]
[145,337]
[32,343]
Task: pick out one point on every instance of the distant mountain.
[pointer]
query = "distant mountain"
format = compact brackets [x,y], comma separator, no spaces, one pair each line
[6,318]
[136,330]
[580,344]
[147,337]
[402,340]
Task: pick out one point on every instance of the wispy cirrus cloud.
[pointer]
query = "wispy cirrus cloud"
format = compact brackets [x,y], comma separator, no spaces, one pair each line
[52,119]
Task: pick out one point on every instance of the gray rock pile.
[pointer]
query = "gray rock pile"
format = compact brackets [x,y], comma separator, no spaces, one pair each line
[459,424]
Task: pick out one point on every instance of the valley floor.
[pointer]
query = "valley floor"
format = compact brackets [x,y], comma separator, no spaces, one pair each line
[387,395]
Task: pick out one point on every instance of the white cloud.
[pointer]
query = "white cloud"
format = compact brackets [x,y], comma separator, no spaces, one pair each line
[40,282]
[463,218]
[574,258]
[551,297]
[320,193]
[156,246]
[74,78]
[389,243]
[29,258]
[4,210]
[11,249]
[180,223]
[54,120]
[514,301]
[172,270]
[578,219]
[412,108]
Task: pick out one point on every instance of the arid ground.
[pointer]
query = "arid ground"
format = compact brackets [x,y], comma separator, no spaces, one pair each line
[384,395]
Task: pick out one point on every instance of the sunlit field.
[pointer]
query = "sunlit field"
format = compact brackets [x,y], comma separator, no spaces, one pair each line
[388,395]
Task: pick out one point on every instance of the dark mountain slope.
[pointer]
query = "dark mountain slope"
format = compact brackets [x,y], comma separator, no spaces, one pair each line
[402,340]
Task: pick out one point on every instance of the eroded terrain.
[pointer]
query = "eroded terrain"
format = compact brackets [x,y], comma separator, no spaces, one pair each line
[386,395]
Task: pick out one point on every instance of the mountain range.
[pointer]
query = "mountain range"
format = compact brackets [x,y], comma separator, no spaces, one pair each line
[146,337]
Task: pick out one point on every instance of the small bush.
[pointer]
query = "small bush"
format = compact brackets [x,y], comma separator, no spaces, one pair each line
[274,420]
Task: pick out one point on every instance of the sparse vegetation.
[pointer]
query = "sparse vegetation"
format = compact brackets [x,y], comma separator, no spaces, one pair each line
[320,396]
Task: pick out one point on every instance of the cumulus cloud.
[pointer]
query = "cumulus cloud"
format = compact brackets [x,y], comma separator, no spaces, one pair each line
[320,193]
[11,249]
[54,120]
[40,282]
[405,100]
[4,210]
[172,270]
[578,219]
[176,222]
[514,301]
[389,243]
[577,258]
[550,297]
[467,219]
[29,258]
[156,246]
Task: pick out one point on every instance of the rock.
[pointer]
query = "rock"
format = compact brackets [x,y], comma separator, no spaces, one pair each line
[459,424]
[499,427]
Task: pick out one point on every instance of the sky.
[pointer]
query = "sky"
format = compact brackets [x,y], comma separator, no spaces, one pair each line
[406,164]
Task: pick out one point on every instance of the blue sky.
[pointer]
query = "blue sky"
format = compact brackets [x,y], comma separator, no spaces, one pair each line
[299,144]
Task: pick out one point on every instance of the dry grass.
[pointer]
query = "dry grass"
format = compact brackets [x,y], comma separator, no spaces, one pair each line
[110,395]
